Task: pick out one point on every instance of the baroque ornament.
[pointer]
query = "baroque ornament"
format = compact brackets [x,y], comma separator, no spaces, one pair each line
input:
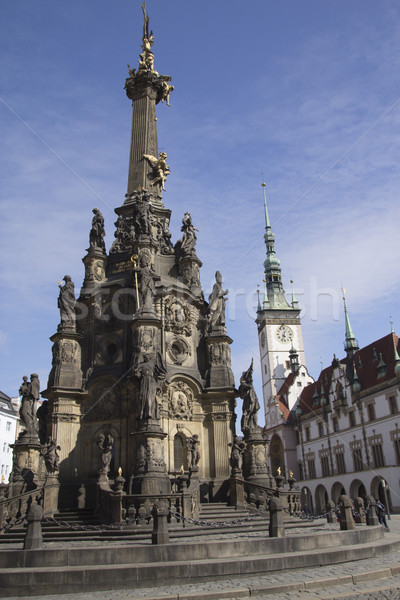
[180,401]
[177,316]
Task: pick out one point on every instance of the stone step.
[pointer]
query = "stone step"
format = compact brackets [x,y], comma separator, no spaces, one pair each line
[90,568]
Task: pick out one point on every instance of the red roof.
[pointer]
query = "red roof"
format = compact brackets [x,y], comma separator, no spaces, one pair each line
[366,361]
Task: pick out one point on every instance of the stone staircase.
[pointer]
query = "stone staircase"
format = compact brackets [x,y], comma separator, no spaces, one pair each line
[82,525]
[90,566]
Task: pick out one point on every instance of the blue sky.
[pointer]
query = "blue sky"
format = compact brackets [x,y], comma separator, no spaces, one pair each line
[306,92]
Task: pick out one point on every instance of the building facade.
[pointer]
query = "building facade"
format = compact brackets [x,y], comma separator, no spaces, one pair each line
[347,425]
[8,428]
[339,434]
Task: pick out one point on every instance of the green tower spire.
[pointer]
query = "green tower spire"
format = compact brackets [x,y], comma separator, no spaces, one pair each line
[351,344]
[272,267]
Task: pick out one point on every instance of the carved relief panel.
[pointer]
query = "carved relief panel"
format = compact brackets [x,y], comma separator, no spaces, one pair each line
[178,317]
[180,398]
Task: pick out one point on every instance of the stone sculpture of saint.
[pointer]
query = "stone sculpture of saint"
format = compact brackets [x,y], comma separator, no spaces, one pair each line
[237,450]
[51,453]
[105,442]
[193,445]
[97,233]
[142,218]
[217,302]
[66,304]
[251,405]
[146,286]
[29,392]
[187,245]
[150,372]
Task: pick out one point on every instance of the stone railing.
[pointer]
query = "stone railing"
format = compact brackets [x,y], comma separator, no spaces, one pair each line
[256,497]
[135,510]
[15,508]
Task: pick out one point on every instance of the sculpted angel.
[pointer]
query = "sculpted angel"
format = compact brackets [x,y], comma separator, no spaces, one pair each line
[160,168]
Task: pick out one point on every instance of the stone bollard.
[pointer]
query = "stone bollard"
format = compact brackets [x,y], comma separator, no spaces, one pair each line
[160,533]
[276,528]
[34,536]
[372,517]
[359,517]
[330,512]
[346,515]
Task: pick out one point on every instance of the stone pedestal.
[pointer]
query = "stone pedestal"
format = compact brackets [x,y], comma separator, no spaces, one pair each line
[276,527]
[146,334]
[51,491]
[255,464]
[34,536]
[95,269]
[359,516]
[330,512]
[372,517]
[150,470]
[66,366]
[28,467]
[219,374]
[236,492]
[346,515]
[160,533]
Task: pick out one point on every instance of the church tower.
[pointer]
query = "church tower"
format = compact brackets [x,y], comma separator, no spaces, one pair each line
[279,328]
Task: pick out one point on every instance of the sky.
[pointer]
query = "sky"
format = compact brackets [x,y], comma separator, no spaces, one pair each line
[305,95]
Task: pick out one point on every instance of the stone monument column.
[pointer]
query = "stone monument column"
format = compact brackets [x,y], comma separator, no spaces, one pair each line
[255,464]
[27,471]
[149,371]
[64,390]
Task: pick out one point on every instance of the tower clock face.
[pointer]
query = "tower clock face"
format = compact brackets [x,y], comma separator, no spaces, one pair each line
[284,334]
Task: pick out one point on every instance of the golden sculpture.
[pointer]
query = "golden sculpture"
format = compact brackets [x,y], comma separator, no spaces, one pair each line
[160,168]
[279,471]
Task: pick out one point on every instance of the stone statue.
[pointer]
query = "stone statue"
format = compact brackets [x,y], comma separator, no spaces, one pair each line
[97,233]
[29,392]
[216,302]
[66,304]
[237,450]
[193,446]
[146,286]
[150,372]
[105,442]
[251,405]
[160,169]
[142,217]
[51,453]
[146,62]
[187,245]
[165,92]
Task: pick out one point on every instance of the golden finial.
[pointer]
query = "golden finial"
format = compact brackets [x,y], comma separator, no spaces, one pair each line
[182,470]
[278,470]
[120,471]
[290,473]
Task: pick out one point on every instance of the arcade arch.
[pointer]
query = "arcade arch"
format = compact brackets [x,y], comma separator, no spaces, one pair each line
[321,498]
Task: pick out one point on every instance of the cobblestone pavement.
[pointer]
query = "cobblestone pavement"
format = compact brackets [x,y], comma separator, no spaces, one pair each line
[371,579]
